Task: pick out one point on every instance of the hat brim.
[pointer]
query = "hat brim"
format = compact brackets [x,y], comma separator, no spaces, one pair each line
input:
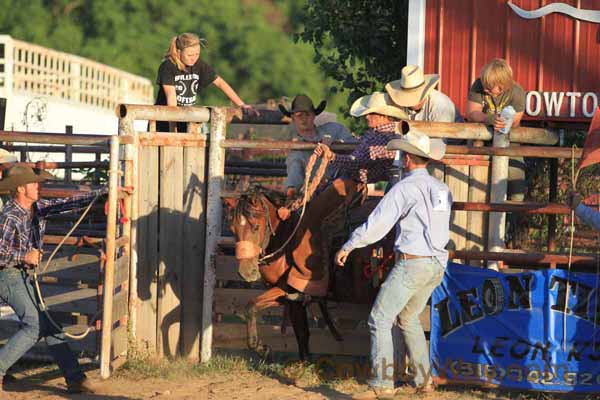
[318,110]
[411,97]
[12,182]
[436,152]
[6,157]
[360,108]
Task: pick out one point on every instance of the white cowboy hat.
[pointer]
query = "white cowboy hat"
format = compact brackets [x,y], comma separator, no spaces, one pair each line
[6,157]
[419,144]
[412,87]
[377,102]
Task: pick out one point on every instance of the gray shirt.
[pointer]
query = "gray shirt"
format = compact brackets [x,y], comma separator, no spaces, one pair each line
[298,159]
[437,108]
[419,206]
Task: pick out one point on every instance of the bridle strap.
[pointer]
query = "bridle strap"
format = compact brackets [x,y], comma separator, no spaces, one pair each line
[245,249]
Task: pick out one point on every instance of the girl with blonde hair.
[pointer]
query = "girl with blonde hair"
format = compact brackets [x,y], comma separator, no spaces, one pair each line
[182,75]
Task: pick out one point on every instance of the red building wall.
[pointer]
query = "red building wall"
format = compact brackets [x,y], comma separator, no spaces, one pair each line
[551,55]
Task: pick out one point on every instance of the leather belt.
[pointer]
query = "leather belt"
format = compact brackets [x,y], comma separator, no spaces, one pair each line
[405,256]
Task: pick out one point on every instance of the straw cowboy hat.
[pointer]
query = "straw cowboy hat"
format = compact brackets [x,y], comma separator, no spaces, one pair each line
[412,87]
[303,103]
[420,145]
[379,103]
[20,175]
[6,157]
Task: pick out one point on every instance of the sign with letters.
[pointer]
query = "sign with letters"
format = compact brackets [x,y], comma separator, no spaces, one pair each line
[507,329]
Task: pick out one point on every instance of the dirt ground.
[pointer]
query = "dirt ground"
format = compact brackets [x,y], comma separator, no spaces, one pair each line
[225,378]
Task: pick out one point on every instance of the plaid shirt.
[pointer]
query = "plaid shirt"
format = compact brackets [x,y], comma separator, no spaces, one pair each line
[370,161]
[22,231]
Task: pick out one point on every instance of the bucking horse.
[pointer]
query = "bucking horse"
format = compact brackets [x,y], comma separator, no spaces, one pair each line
[267,243]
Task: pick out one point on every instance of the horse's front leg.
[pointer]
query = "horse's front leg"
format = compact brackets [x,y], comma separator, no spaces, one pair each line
[265,300]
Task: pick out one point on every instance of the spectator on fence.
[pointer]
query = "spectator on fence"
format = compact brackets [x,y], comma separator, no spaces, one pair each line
[182,75]
[415,94]
[22,225]
[419,207]
[368,163]
[303,128]
[494,90]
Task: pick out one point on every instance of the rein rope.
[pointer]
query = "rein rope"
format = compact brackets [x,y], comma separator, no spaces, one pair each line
[309,190]
[42,303]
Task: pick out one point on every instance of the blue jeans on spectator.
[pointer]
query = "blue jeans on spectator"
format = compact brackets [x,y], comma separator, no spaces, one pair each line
[404,293]
[16,289]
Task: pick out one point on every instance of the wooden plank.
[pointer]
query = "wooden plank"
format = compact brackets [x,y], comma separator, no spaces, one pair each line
[147,247]
[214,220]
[120,302]
[170,247]
[457,179]
[193,252]
[233,336]
[344,315]
[226,268]
[119,342]
[68,299]
[477,221]
[121,270]
[73,265]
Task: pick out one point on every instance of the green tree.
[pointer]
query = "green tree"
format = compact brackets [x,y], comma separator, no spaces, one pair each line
[361,44]
[249,43]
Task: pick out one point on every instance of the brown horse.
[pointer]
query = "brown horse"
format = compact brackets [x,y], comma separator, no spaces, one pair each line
[264,243]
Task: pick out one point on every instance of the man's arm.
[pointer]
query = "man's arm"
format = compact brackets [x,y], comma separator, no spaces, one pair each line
[68,204]
[588,215]
[389,210]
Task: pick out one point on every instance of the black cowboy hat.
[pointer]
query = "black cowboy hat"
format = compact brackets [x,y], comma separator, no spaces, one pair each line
[303,103]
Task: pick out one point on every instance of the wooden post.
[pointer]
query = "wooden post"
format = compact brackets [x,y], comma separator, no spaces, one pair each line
[476,226]
[498,189]
[553,182]
[194,232]
[216,171]
[68,155]
[130,158]
[109,269]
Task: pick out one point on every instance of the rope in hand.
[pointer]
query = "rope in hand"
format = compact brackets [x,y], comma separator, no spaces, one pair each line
[42,304]
[309,190]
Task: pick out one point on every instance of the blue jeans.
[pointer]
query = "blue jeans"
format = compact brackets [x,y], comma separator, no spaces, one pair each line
[404,293]
[17,291]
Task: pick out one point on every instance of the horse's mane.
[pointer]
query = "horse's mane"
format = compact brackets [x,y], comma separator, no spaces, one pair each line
[245,206]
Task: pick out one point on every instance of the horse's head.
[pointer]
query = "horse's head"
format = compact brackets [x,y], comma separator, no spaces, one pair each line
[254,222]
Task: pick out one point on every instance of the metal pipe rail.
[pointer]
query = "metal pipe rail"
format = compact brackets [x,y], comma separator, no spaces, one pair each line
[163,113]
[54,138]
[525,259]
[478,131]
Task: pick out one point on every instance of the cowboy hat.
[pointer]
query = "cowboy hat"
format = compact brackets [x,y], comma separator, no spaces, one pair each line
[412,87]
[379,103]
[6,157]
[419,144]
[302,103]
[20,175]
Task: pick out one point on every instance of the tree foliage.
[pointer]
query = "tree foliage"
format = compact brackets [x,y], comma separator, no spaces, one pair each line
[361,44]
[249,43]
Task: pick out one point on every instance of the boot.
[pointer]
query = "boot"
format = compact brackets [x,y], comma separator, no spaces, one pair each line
[83,386]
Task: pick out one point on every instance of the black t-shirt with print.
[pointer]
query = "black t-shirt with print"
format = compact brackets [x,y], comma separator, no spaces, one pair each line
[187,83]
[494,105]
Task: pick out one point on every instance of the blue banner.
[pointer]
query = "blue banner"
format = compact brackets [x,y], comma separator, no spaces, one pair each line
[507,329]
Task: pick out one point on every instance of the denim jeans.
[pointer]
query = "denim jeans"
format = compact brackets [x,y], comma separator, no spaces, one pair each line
[16,289]
[404,293]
